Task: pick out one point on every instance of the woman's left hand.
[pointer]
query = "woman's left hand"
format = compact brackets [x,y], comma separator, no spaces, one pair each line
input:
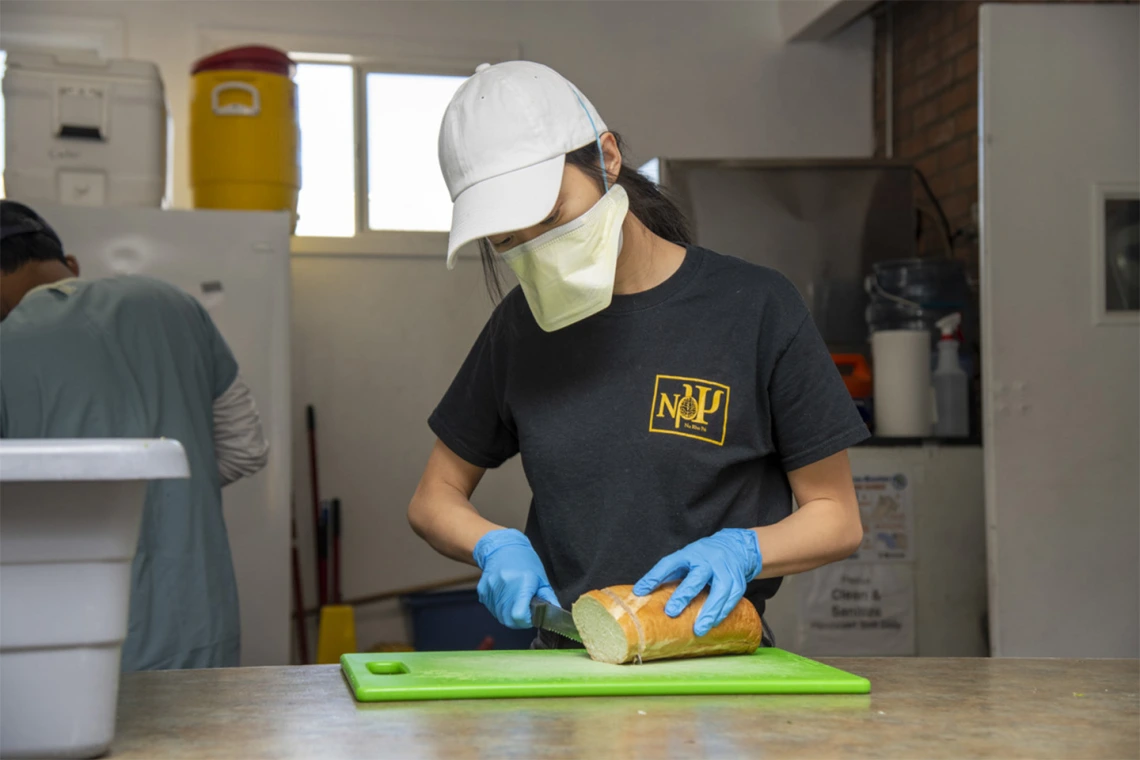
[725,561]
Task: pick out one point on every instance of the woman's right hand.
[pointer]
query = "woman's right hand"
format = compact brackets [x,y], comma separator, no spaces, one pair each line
[512,576]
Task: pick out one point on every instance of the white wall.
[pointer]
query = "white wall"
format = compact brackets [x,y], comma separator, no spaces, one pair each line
[812,20]
[1060,109]
[377,338]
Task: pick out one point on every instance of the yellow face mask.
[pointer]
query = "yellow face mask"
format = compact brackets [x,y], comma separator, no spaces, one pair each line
[567,274]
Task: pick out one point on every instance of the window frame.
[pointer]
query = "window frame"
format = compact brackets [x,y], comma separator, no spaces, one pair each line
[1101,193]
[371,54]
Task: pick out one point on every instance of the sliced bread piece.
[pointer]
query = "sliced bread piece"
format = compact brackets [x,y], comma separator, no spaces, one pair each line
[617,626]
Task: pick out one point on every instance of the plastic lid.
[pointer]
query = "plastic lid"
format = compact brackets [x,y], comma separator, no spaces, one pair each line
[82,63]
[949,325]
[856,374]
[88,459]
[251,58]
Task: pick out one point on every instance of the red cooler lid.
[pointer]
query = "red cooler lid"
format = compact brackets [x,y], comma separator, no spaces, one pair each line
[251,58]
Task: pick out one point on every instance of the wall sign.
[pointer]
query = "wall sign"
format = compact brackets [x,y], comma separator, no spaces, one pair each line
[857,609]
[887,509]
[864,605]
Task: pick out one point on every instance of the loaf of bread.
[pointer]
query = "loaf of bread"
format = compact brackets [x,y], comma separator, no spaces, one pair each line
[617,626]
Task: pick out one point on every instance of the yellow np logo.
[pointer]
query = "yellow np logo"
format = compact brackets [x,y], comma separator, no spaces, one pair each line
[690,407]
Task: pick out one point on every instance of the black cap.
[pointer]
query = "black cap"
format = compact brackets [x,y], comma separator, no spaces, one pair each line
[18,219]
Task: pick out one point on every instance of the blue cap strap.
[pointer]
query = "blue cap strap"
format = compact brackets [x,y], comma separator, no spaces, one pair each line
[597,139]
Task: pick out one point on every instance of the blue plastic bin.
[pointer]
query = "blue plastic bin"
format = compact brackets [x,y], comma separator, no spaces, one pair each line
[447,621]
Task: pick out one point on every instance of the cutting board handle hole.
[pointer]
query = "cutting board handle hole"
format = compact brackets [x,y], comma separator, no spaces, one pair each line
[387,668]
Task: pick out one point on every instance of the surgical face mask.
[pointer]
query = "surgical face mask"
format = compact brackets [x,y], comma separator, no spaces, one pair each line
[567,274]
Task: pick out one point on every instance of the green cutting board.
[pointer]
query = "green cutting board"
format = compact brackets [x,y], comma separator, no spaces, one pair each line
[398,676]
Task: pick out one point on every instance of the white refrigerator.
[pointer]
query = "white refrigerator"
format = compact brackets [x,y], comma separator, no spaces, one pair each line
[237,265]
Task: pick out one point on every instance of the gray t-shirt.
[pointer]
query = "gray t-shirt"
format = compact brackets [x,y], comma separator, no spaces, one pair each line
[131,357]
[674,413]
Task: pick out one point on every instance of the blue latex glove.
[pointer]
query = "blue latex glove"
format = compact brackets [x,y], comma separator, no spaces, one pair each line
[512,576]
[725,561]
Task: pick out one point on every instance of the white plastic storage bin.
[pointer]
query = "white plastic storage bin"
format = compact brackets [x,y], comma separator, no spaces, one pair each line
[68,530]
[84,131]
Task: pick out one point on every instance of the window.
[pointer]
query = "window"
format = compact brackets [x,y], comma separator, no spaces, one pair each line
[406,190]
[394,118]
[1122,254]
[326,205]
[1116,253]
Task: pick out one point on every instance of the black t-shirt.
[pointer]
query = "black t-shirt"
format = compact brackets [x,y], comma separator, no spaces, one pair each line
[674,413]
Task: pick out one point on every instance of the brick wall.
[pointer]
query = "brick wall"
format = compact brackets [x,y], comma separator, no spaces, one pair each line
[935,89]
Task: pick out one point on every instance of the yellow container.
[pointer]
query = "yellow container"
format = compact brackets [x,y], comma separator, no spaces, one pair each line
[244,135]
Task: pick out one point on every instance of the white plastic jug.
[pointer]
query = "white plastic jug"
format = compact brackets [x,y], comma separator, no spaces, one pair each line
[901,377]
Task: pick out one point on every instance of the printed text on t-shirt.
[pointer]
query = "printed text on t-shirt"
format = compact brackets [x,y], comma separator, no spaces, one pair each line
[690,407]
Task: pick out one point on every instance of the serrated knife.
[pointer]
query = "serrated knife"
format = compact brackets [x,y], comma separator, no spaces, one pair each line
[554,619]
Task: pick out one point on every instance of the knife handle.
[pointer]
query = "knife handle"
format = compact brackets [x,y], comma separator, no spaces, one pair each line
[537,612]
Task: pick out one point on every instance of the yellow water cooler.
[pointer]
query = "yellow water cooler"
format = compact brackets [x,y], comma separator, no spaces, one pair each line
[244,134]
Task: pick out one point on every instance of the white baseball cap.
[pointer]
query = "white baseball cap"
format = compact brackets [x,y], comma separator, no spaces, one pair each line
[503,145]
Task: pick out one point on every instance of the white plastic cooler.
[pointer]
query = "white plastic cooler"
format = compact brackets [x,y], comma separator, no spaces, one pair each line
[84,131]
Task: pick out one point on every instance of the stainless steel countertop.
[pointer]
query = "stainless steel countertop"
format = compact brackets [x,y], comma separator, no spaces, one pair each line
[919,708]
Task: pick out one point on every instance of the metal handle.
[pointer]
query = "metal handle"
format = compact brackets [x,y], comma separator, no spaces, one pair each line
[236,109]
[537,612]
[873,288]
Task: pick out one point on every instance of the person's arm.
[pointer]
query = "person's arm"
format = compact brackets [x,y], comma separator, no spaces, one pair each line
[240,446]
[474,433]
[813,423]
[472,436]
[825,528]
[441,512]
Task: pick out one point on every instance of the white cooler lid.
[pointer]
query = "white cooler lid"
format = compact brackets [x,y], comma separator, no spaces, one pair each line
[81,63]
[89,459]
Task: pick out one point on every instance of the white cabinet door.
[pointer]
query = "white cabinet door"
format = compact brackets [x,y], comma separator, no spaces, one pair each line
[237,265]
[1060,127]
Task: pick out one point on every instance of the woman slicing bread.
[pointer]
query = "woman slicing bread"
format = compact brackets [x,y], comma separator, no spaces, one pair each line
[668,401]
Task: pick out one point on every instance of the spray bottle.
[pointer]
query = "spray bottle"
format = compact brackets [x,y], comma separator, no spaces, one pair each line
[950,383]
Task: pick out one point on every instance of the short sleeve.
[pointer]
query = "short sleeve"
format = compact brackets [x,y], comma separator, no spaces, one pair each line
[813,416]
[223,365]
[470,419]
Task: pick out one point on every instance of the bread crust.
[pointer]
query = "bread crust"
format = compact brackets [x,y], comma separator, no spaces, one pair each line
[650,634]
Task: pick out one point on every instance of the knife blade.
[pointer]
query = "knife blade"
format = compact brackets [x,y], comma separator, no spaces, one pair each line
[554,619]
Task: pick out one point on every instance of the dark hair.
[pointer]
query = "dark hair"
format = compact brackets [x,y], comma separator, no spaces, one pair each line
[648,202]
[24,237]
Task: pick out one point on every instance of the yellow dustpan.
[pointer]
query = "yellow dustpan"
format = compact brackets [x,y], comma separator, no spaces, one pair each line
[337,633]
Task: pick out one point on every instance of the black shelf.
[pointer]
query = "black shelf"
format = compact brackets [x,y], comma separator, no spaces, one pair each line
[881,442]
